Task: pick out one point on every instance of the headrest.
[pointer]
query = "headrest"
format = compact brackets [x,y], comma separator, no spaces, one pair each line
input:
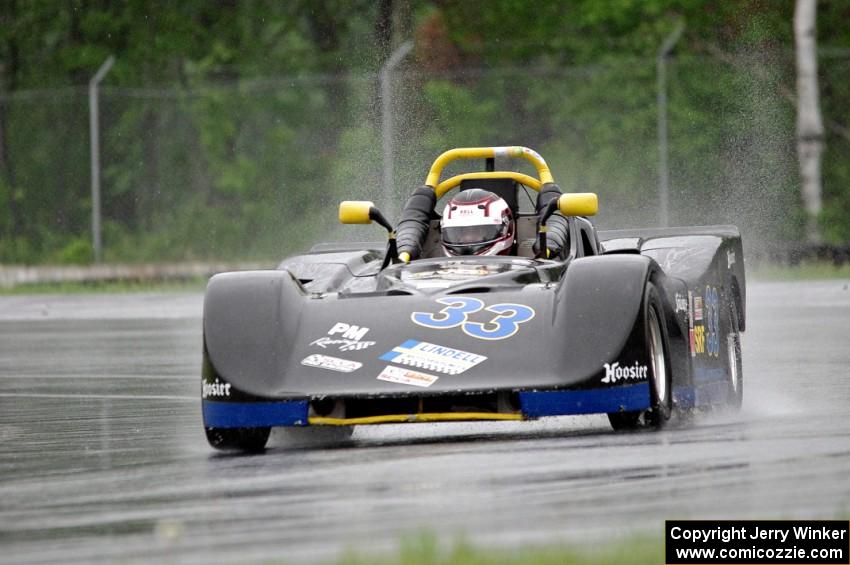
[503,188]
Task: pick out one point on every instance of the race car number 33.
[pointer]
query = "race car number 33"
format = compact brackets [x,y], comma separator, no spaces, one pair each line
[505,322]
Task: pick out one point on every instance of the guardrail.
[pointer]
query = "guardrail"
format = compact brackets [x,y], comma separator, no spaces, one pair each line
[15,275]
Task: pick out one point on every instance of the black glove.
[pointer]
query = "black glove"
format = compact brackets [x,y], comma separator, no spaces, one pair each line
[558,229]
[415,221]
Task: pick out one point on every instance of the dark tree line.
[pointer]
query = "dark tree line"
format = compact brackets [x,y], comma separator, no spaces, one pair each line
[230,127]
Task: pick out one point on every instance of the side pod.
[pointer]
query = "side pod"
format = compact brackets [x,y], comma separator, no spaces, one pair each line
[247,316]
[597,309]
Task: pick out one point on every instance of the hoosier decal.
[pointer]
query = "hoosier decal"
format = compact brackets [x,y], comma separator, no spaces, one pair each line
[424,355]
[215,389]
[614,373]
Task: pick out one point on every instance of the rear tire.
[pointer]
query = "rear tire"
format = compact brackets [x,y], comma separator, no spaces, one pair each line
[252,440]
[733,351]
[657,351]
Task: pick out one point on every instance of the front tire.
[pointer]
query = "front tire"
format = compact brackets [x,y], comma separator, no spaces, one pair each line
[657,351]
[251,440]
[659,386]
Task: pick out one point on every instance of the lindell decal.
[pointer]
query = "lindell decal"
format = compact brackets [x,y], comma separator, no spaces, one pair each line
[432,357]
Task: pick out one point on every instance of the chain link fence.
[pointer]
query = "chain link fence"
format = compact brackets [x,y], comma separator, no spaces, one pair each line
[254,169]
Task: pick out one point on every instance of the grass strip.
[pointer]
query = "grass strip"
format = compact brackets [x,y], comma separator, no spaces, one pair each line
[809,270]
[425,549]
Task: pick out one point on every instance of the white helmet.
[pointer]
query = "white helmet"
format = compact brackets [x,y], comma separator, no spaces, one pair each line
[477,222]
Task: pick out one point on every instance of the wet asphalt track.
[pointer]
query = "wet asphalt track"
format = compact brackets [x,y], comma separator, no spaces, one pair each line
[102,457]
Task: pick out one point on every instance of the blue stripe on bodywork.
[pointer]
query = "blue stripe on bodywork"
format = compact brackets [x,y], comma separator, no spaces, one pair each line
[592,401]
[391,355]
[254,414]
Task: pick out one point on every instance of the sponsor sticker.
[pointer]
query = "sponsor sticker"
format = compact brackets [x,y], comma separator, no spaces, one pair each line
[407,377]
[712,321]
[432,357]
[691,336]
[681,302]
[216,389]
[705,334]
[697,308]
[698,340]
[614,372]
[345,337]
[331,363]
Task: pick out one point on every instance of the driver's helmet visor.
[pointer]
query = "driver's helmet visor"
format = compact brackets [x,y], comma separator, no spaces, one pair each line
[465,240]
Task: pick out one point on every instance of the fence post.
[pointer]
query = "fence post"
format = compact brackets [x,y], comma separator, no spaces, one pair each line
[387,125]
[94,131]
[663,172]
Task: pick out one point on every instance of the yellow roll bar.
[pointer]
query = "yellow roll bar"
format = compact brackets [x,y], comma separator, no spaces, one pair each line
[487,153]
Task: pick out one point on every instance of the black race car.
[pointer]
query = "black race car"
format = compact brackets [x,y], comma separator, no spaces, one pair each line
[630,323]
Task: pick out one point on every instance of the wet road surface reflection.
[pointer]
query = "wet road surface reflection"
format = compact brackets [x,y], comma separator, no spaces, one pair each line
[103,459]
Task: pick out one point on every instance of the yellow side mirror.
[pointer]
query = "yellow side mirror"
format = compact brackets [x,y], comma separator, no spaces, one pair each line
[355,211]
[578,204]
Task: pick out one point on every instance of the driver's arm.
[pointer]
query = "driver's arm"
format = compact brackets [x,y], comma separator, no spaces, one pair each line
[415,222]
[557,233]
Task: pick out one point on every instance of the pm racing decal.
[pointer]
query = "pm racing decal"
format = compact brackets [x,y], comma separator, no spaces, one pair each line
[345,337]
[503,324]
[407,377]
[424,355]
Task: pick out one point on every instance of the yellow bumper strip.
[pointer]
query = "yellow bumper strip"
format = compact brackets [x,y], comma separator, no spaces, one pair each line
[409,418]
[452,182]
